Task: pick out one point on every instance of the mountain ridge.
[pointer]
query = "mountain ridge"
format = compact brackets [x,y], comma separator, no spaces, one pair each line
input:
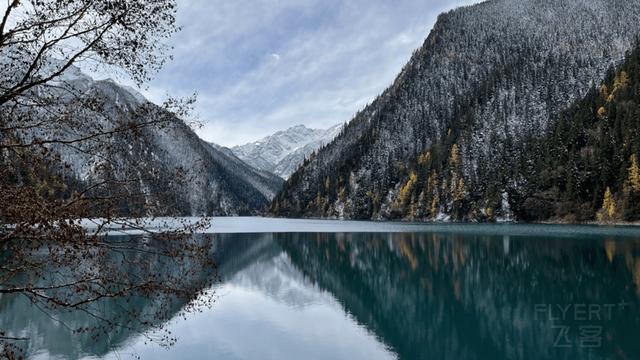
[282,152]
[178,173]
[487,77]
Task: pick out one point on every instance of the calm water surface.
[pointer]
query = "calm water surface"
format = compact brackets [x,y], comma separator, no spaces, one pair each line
[331,290]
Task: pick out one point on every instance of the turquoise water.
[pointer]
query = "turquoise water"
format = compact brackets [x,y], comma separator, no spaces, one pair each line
[431,291]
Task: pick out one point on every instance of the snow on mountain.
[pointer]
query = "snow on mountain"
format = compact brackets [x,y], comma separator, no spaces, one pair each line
[453,125]
[283,152]
[192,176]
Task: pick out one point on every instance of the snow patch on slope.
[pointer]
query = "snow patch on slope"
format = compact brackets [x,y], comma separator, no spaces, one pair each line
[283,152]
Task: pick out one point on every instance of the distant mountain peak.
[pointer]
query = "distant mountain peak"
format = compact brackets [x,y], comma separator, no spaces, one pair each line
[299,127]
[282,152]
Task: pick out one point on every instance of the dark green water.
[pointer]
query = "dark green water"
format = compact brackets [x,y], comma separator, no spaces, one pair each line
[535,294]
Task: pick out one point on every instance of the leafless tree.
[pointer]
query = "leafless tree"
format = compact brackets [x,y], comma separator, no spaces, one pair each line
[45,253]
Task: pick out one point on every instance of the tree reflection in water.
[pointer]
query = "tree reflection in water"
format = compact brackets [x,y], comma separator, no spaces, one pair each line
[482,297]
[423,295]
[93,304]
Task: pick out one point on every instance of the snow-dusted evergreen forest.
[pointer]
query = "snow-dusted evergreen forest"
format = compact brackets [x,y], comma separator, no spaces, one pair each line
[472,128]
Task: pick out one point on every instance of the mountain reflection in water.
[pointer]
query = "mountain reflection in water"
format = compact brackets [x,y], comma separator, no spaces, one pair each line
[384,296]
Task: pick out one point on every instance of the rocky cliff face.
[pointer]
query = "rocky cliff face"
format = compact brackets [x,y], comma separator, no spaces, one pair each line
[444,140]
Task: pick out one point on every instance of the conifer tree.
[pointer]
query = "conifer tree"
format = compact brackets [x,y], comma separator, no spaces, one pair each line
[435,206]
[407,189]
[454,160]
[460,191]
[609,205]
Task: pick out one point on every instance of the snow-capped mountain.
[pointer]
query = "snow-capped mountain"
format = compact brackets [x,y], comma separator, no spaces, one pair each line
[446,140]
[184,174]
[283,152]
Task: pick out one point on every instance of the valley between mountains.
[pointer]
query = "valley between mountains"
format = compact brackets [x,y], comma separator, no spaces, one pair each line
[508,111]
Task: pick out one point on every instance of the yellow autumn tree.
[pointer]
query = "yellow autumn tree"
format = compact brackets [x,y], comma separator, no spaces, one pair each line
[413,207]
[434,206]
[634,174]
[424,158]
[621,82]
[454,160]
[602,112]
[609,205]
[490,212]
[407,189]
[432,193]
[460,191]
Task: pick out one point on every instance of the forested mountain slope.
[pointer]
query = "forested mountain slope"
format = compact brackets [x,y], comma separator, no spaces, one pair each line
[159,168]
[447,139]
[587,165]
[215,183]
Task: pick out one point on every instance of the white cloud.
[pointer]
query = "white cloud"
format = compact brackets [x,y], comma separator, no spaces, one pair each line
[263,65]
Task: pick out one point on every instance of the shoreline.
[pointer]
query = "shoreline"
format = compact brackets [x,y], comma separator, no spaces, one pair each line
[259,225]
[514,222]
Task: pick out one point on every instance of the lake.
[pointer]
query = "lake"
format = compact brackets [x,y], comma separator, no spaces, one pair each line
[308,289]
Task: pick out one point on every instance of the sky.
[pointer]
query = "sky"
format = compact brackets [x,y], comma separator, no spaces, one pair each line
[259,66]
